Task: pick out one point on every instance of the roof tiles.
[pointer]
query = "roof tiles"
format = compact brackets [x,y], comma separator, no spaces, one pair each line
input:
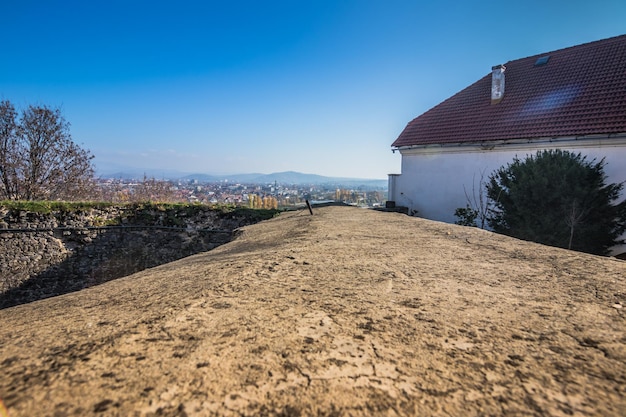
[580,91]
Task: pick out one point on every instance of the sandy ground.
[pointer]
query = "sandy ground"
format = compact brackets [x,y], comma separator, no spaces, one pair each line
[347,312]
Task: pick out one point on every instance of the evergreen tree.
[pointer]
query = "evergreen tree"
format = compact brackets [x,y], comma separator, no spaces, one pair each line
[557,198]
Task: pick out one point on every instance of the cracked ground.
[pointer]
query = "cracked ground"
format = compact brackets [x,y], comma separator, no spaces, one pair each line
[348,312]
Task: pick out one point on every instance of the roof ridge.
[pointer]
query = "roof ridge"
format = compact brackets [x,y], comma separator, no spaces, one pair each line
[580,45]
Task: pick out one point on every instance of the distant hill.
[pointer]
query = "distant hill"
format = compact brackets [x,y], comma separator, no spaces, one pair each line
[291,177]
[287,177]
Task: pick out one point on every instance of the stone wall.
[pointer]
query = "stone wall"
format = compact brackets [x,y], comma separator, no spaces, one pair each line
[42,255]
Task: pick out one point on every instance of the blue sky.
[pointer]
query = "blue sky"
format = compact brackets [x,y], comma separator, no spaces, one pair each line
[222,87]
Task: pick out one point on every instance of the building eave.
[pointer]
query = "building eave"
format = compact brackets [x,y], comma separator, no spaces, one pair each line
[586,141]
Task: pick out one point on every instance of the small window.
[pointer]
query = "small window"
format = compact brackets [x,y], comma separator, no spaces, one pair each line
[542,61]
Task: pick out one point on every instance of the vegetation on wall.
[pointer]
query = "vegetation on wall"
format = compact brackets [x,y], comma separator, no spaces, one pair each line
[138,208]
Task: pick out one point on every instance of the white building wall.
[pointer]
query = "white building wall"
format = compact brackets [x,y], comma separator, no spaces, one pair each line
[434,180]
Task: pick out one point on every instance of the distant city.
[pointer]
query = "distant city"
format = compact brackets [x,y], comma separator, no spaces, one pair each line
[279,190]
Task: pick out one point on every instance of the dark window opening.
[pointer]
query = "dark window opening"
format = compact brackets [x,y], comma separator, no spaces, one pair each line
[542,61]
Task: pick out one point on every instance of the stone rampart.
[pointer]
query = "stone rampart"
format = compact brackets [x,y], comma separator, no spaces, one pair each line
[43,255]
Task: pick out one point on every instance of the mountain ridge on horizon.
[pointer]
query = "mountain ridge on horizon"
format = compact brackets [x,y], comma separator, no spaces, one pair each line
[285,177]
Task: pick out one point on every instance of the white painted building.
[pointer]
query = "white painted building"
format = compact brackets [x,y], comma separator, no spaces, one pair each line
[571,99]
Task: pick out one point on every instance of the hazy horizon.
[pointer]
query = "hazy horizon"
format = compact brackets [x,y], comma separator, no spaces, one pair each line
[302,177]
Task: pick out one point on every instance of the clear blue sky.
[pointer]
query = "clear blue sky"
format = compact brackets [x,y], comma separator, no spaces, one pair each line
[319,87]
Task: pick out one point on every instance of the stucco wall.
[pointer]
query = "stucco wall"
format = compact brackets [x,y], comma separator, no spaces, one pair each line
[434,180]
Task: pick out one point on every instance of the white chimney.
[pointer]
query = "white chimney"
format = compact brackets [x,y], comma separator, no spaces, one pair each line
[497,83]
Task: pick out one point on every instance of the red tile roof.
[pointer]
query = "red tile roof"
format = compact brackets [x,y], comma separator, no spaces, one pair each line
[580,91]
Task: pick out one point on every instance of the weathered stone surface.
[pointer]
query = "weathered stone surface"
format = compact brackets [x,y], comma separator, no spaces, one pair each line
[349,312]
[61,253]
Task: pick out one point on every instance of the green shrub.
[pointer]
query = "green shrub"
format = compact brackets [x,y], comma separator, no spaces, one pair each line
[557,198]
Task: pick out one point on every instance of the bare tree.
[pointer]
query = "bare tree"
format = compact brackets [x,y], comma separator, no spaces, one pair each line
[40,161]
[151,189]
[476,212]
[9,151]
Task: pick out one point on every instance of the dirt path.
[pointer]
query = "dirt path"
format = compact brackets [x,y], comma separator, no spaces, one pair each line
[348,312]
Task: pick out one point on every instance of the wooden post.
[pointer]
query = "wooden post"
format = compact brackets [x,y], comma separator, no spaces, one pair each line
[309,206]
